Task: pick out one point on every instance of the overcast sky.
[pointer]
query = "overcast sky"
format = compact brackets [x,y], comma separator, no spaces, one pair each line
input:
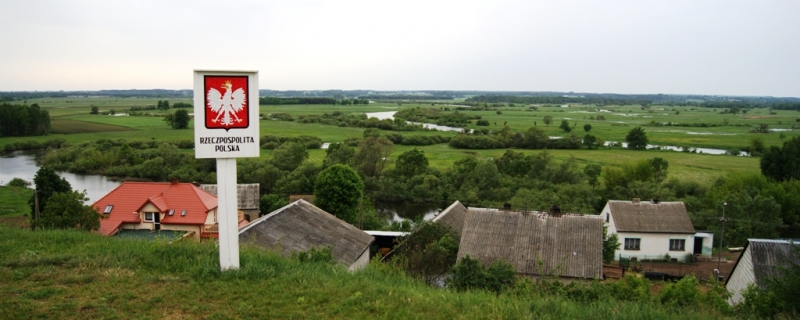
[692,47]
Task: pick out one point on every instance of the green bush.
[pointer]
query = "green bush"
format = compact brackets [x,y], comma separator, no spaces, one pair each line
[468,274]
[17,182]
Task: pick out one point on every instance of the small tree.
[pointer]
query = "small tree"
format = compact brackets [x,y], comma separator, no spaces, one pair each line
[411,163]
[179,119]
[565,126]
[548,120]
[429,252]
[660,167]
[587,127]
[590,141]
[338,153]
[610,245]
[47,183]
[289,156]
[95,110]
[468,274]
[67,211]
[637,139]
[592,172]
[338,190]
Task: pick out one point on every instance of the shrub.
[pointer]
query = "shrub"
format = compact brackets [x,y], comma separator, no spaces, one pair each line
[17,182]
[468,274]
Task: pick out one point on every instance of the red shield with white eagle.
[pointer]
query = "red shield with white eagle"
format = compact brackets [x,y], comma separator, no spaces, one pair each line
[226,102]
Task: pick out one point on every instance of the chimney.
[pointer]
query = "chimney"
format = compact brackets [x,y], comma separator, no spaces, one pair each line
[655,201]
[507,207]
[174,182]
[555,211]
[636,200]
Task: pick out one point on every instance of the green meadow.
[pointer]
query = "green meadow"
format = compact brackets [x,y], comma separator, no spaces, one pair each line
[79,275]
[709,128]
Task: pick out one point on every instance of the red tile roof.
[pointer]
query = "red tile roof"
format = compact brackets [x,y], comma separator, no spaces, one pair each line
[130,197]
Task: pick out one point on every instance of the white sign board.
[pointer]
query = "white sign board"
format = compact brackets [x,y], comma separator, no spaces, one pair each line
[226,114]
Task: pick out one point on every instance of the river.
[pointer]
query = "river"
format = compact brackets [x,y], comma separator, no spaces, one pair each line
[390,115]
[22,164]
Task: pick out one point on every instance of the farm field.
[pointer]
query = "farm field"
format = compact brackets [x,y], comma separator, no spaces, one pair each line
[705,128]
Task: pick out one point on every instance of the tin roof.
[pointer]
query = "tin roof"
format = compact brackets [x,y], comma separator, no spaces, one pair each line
[535,243]
[645,216]
[300,226]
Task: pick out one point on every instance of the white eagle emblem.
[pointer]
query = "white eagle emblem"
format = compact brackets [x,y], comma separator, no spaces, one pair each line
[226,105]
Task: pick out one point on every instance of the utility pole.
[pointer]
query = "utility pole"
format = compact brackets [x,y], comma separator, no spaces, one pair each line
[722,237]
[35,209]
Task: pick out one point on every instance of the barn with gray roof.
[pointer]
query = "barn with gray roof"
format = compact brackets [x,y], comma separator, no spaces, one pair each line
[536,244]
[301,226]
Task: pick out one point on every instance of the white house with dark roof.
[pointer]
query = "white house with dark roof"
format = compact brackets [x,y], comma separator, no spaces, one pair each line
[650,229]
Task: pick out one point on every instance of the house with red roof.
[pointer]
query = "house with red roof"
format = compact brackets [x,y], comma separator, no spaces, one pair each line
[159,206]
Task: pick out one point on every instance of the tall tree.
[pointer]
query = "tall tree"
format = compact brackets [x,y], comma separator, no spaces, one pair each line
[338,190]
[637,139]
[372,154]
[660,167]
[179,119]
[565,126]
[338,153]
[411,163]
[47,183]
[782,164]
[289,156]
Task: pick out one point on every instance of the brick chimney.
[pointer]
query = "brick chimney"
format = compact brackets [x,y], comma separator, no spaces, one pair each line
[636,200]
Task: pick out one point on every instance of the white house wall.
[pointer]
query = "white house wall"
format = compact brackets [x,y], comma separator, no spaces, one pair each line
[742,276]
[654,246]
[361,263]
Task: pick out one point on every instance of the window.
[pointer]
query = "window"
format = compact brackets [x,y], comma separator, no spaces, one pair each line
[149,216]
[677,245]
[171,212]
[608,216]
[183,213]
[632,243]
[108,208]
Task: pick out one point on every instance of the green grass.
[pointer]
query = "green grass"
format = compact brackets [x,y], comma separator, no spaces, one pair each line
[70,274]
[72,115]
[14,201]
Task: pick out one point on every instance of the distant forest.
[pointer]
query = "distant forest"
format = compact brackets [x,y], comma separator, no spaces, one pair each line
[274,97]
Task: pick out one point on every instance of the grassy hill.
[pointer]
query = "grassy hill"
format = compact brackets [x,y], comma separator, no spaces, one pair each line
[70,274]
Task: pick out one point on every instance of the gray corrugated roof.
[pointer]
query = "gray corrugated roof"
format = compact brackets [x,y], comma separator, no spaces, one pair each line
[301,226]
[768,256]
[247,194]
[535,243]
[643,216]
[453,216]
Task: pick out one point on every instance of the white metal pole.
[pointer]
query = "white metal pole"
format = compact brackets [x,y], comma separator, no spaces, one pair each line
[227,214]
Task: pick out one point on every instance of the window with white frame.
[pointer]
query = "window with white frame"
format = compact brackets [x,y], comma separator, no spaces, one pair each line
[149,216]
[108,209]
[677,244]
[632,243]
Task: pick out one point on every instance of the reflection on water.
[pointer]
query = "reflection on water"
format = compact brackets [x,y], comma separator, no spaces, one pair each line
[22,164]
[390,115]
